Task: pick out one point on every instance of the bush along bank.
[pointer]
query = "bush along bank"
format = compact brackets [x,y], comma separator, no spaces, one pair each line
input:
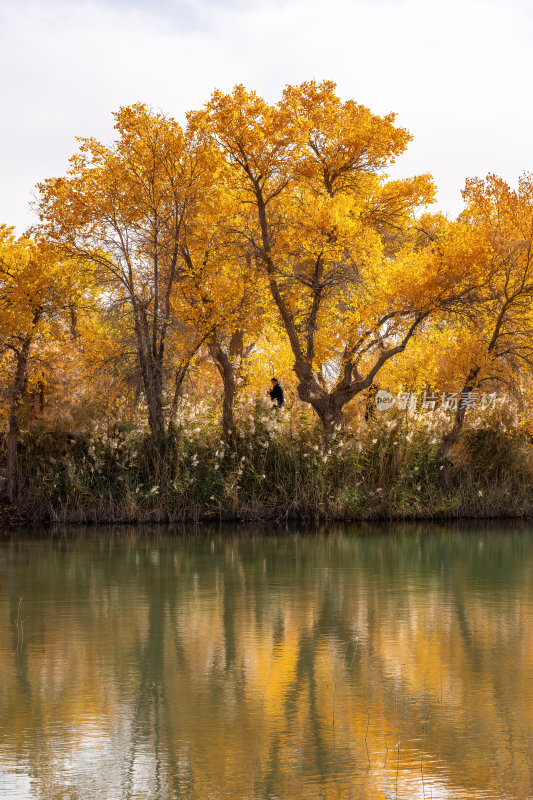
[277,468]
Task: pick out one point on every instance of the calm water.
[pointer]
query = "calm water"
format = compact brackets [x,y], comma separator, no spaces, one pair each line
[352,663]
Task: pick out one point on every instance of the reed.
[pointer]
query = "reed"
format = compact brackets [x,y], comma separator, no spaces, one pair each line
[276,466]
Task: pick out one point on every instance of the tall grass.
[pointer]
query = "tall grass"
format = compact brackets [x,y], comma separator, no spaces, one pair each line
[278,466]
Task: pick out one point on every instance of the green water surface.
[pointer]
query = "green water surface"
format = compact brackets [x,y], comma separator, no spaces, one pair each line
[233,663]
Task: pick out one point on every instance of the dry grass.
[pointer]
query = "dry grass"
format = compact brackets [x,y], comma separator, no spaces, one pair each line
[279,468]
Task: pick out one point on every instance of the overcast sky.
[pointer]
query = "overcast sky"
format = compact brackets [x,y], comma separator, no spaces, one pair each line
[458,73]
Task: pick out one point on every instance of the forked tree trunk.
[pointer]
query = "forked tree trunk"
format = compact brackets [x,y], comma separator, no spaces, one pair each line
[327,405]
[329,413]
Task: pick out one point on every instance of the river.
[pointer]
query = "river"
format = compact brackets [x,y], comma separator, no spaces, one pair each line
[345,662]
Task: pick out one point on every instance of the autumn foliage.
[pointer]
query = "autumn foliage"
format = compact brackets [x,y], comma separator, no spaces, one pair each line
[186,265]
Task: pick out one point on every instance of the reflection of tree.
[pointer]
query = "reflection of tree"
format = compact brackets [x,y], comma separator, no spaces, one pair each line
[150,692]
[305,677]
[156,725]
[229,591]
[38,745]
[224,662]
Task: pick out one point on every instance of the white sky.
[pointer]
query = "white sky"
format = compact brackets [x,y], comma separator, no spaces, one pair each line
[457,72]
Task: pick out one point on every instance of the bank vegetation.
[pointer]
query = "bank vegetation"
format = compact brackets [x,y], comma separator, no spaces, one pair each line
[174,270]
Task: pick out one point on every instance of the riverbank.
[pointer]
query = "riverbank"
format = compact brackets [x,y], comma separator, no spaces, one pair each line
[274,471]
[12,517]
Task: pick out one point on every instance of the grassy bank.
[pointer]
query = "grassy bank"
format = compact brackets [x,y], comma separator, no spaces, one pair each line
[278,468]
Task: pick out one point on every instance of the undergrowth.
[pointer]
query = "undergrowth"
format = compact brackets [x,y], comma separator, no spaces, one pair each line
[275,466]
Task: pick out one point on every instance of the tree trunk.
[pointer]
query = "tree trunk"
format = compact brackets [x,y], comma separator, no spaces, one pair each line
[151,368]
[331,418]
[451,437]
[153,393]
[157,441]
[327,406]
[17,399]
[180,375]
[227,373]
[370,402]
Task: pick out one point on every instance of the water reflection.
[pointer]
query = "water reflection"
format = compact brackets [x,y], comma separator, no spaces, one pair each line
[347,664]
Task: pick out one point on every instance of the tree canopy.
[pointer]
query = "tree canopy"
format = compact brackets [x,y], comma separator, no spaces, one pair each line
[262,238]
